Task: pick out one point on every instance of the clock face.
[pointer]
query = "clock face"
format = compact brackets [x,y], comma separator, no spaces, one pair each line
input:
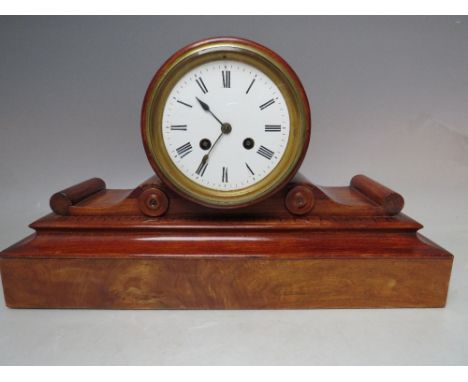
[225,125]
[225,122]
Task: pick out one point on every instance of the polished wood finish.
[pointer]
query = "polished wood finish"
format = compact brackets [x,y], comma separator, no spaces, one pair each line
[219,283]
[300,200]
[61,201]
[153,202]
[324,201]
[347,251]
[391,201]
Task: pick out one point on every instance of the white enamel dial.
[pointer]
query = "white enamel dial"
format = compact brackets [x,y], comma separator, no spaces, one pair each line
[225,125]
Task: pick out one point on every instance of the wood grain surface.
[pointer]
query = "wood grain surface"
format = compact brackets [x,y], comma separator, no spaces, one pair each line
[237,283]
[346,252]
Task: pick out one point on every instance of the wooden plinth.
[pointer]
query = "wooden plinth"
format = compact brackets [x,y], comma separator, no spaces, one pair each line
[351,248]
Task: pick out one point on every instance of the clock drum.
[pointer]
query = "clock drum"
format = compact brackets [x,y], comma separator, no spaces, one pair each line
[225,122]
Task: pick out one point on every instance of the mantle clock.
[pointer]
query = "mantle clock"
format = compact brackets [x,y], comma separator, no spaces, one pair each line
[226,221]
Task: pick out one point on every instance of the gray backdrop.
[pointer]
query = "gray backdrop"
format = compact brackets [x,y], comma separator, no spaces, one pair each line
[389,98]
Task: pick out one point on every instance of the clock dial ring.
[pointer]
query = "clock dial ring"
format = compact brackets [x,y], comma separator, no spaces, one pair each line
[213,50]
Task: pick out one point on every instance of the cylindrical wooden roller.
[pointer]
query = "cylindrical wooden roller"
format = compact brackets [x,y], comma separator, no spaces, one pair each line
[391,201]
[61,201]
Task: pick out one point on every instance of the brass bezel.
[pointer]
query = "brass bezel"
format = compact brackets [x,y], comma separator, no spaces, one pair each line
[266,62]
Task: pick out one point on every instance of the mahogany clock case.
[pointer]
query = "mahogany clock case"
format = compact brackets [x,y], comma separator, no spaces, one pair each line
[306,247]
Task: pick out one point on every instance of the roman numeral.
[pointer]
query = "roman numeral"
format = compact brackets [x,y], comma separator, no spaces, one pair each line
[248,89]
[201,168]
[225,175]
[272,128]
[184,150]
[202,85]
[179,127]
[266,104]
[183,103]
[226,78]
[248,167]
[264,152]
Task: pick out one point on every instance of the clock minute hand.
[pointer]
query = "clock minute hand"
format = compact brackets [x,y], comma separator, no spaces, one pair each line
[214,144]
[225,129]
[207,155]
[207,108]
[204,161]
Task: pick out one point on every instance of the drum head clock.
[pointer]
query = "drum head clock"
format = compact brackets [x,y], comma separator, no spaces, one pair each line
[225,122]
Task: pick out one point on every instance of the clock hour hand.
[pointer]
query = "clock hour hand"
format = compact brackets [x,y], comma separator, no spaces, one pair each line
[207,108]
